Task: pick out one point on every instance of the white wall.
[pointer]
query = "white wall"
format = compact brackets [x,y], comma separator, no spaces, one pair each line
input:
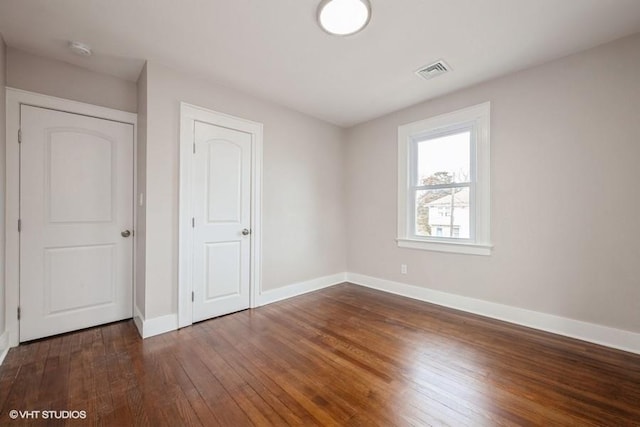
[303,230]
[141,184]
[564,135]
[3,118]
[55,78]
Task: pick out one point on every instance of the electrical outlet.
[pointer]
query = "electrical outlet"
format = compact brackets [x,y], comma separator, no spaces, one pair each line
[403,268]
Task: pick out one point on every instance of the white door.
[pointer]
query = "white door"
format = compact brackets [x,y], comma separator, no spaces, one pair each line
[221,220]
[76,210]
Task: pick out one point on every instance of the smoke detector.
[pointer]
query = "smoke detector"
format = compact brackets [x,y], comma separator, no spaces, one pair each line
[80,48]
[433,70]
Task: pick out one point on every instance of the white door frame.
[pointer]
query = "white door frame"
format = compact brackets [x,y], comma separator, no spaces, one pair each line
[16,98]
[188,115]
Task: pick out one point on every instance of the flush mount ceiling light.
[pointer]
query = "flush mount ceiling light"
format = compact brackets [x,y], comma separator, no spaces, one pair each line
[344,17]
[80,48]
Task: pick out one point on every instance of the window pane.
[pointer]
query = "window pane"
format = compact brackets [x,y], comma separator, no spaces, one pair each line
[445,159]
[443,213]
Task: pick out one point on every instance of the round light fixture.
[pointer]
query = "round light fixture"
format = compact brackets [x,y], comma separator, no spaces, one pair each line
[344,17]
[80,48]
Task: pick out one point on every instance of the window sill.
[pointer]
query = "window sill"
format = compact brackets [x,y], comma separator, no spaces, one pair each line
[451,247]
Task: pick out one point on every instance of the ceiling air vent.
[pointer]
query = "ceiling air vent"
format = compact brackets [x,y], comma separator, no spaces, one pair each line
[432,70]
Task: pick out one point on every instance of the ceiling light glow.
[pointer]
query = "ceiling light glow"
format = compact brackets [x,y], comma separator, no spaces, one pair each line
[344,17]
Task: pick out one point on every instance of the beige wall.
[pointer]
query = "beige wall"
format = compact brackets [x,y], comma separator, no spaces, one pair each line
[3,118]
[50,77]
[141,184]
[303,233]
[565,143]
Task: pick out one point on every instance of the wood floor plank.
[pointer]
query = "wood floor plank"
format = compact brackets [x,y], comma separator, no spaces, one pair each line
[366,332]
[346,355]
[284,404]
[255,407]
[398,366]
[225,410]
[301,388]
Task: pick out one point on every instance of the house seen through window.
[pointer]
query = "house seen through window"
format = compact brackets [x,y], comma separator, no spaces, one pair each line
[442,186]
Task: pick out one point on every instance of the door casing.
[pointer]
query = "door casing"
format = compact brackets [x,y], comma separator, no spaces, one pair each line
[189,114]
[16,98]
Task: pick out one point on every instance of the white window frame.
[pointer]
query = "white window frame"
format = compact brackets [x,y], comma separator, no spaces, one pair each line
[477,119]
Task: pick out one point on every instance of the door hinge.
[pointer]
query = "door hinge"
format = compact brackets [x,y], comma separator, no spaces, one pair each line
[192,296]
[19,225]
[19,136]
[193,223]
[18,313]
[194,148]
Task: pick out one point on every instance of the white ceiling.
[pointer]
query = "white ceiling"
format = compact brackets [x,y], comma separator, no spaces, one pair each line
[275,50]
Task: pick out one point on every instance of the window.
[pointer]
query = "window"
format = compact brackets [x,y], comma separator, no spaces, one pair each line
[443,211]
[443,182]
[440,183]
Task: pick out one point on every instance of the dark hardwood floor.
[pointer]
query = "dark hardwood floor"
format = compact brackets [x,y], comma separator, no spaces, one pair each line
[345,355]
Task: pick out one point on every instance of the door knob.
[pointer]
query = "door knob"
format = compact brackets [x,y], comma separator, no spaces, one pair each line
[125,233]
[246,232]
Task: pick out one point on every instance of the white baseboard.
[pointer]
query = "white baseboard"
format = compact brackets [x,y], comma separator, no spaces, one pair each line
[159,325]
[138,320]
[4,346]
[590,332]
[156,326]
[289,291]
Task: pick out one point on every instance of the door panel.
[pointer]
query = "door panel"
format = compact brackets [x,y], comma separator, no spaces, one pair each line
[223,275]
[79,191]
[224,181]
[221,202]
[78,277]
[76,196]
